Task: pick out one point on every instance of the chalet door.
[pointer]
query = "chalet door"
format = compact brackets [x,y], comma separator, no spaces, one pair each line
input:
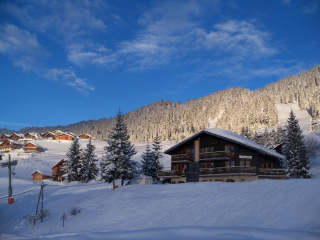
[193,172]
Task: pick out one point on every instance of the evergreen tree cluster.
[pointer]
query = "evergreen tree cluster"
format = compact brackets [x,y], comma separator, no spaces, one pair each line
[81,164]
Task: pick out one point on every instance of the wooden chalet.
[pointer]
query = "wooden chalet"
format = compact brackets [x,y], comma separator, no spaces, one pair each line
[65,136]
[8,145]
[72,134]
[221,155]
[33,147]
[5,137]
[40,175]
[16,136]
[58,132]
[48,135]
[86,136]
[33,136]
[57,172]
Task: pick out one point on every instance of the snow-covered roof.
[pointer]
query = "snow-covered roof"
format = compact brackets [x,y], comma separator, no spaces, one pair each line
[7,135]
[87,135]
[72,134]
[18,134]
[43,173]
[34,134]
[59,162]
[37,145]
[68,135]
[232,137]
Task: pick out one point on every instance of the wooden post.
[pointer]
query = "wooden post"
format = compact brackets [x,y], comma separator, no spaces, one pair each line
[113,184]
[41,201]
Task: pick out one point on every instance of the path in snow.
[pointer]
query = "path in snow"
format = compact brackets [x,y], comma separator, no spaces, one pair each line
[303,116]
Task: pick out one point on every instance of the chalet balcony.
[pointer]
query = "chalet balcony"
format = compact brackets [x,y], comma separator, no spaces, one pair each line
[169,173]
[181,158]
[228,170]
[214,155]
[271,172]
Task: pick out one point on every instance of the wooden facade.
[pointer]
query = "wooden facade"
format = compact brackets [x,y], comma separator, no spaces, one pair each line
[58,132]
[39,176]
[32,147]
[215,155]
[86,136]
[16,136]
[5,137]
[33,136]
[9,145]
[64,136]
[48,135]
[57,172]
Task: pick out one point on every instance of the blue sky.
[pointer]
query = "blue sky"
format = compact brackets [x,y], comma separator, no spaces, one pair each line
[67,61]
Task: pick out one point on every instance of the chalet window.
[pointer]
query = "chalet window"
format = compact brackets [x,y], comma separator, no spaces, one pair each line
[179,167]
[211,149]
[229,163]
[230,149]
[202,165]
[212,164]
[244,163]
[266,165]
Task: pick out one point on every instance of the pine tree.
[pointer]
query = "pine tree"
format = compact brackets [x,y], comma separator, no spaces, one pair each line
[74,163]
[245,132]
[151,163]
[89,170]
[116,163]
[295,150]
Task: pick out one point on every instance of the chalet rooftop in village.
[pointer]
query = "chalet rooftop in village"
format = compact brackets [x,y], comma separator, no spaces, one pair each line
[221,155]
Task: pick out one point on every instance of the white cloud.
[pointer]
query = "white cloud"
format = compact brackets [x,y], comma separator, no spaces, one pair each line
[68,77]
[312,7]
[285,2]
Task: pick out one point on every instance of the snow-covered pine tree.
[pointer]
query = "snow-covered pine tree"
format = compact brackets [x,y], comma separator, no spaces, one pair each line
[295,150]
[74,163]
[147,161]
[245,132]
[89,170]
[117,164]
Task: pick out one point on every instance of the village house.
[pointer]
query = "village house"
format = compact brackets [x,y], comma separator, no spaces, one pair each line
[5,137]
[40,175]
[33,147]
[86,136]
[72,134]
[64,136]
[58,132]
[8,145]
[33,136]
[221,155]
[57,172]
[48,135]
[16,136]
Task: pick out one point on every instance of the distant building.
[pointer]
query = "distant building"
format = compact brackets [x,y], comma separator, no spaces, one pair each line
[8,145]
[72,134]
[57,172]
[141,180]
[86,136]
[58,132]
[221,155]
[33,147]
[40,175]
[5,137]
[33,136]
[48,135]
[64,136]
[16,136]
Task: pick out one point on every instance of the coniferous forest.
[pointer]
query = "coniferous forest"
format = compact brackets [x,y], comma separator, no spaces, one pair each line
[230,109]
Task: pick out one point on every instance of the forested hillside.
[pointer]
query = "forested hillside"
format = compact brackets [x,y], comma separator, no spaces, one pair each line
[229,109]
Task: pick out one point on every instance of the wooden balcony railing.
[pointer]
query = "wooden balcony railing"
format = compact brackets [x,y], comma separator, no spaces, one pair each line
[214,155]
[181,157]
[227,170]
[271,171]
[169,173]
